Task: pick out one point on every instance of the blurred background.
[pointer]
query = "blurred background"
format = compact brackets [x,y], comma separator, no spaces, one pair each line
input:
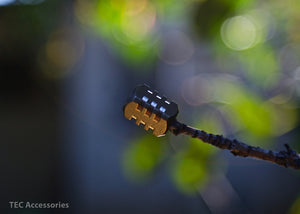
[67,67]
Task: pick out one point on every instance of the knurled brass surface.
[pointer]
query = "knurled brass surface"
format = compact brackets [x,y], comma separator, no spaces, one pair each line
[147,118]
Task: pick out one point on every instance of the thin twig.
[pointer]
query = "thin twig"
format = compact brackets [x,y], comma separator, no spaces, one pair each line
[289,158]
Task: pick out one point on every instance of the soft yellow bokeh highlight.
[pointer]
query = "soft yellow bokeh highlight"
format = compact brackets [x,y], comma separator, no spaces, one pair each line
[64,48]
[137,26]
[239,33]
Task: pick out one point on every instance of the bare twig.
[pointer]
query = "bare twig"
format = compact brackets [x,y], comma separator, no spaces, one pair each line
[289,158]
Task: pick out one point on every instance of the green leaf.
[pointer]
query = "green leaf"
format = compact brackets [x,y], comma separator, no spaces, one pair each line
[189,174]
[142,156]
[295,209]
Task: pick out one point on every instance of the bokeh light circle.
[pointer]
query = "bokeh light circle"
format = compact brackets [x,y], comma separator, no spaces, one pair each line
[137,26]
[239,33]
[177,48]
[196,90]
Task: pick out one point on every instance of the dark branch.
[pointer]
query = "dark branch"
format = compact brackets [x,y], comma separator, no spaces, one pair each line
[289,158]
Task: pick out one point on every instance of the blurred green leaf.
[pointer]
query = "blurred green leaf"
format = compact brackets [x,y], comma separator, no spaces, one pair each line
[295,209]
[189,174]
[128,26]
[210,121]
[168,9]
[243,109]
[191,168]
[260,64]
[202,150]
[142,156]
[212,13]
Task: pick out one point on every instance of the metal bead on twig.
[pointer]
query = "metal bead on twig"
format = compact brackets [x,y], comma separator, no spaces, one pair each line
[158,113]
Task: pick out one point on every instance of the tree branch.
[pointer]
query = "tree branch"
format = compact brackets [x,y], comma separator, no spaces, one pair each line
[289,158]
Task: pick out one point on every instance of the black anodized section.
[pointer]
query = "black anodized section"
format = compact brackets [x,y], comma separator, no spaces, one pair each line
[153,101]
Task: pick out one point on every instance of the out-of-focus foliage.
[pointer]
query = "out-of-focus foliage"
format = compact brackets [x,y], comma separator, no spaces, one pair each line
[62,51]
[29,30]
[191,168]
[246,110]
[295,209]
[211,13]
[242,108]
[197,162]
[252,90]
[142,156]
[128,25]
[239,61]
[131,26]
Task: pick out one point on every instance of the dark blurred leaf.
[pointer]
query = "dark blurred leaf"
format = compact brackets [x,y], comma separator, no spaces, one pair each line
[211,13]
